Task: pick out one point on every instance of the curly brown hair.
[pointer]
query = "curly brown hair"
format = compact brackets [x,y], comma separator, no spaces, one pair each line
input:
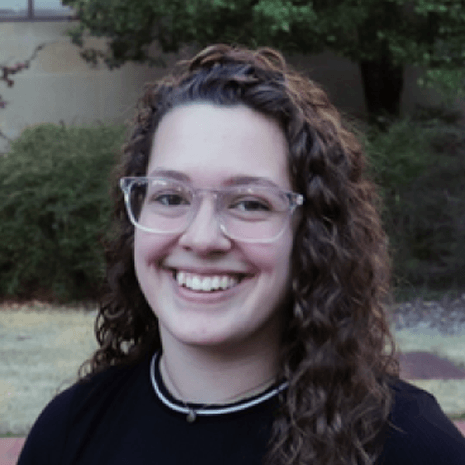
[336,407]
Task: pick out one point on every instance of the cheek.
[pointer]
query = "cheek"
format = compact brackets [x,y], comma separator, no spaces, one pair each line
[272,259]
[149,248]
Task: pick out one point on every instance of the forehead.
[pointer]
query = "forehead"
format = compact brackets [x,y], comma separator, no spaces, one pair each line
[211,144]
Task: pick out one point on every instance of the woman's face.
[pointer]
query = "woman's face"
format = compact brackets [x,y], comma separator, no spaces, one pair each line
[209,146]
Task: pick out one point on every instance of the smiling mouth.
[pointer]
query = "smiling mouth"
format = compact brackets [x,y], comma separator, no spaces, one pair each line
[210,283]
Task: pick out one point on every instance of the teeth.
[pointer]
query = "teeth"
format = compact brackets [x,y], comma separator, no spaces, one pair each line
[205,283]
[181,278]
[224,282]
[196,283]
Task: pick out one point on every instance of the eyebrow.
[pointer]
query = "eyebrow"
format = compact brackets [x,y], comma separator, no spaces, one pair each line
[239,180]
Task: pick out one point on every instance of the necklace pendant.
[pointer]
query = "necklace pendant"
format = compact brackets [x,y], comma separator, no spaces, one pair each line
[191,416]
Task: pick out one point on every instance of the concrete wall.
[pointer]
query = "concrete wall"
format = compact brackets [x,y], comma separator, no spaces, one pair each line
[60,86]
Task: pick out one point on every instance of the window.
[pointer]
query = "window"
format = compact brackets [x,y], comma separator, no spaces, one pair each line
[34,10]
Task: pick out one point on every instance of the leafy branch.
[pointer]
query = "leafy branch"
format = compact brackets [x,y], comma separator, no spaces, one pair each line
[7,71]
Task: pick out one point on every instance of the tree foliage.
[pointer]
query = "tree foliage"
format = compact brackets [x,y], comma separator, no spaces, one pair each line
[388,33]
[429,33]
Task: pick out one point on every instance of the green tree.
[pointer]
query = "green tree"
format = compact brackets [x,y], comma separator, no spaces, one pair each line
[382,36]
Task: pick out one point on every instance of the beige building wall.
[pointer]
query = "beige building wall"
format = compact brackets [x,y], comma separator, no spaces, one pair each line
[61,86]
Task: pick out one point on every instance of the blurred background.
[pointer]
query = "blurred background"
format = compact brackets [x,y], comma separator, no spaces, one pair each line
[72,70]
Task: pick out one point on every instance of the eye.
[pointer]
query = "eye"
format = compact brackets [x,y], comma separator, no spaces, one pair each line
[166,196]
[168,199]
[250,205]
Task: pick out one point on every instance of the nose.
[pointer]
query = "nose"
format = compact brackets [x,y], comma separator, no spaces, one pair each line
[204,234]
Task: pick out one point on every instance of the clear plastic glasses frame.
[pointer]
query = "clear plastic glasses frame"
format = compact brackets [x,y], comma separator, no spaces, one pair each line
[247,213]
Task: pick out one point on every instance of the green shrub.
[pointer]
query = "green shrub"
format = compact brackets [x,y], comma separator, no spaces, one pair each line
[54,211]
[420,167]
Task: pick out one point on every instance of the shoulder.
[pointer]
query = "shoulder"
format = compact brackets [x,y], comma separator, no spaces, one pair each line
[84,399]
[420,432]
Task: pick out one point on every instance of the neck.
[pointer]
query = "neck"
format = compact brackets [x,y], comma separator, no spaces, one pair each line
[204,376]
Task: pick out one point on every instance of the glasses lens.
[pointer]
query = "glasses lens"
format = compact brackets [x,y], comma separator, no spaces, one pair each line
[248,213]
[160,205]
[254,213]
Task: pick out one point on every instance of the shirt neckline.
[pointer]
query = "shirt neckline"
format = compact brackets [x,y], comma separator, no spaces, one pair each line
[210,409]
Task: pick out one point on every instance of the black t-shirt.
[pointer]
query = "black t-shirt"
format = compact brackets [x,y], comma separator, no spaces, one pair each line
[125,415]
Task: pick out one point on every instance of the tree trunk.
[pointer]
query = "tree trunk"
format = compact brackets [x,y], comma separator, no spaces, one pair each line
[382,84]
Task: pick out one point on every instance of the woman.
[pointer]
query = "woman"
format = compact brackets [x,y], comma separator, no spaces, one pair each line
[244,318]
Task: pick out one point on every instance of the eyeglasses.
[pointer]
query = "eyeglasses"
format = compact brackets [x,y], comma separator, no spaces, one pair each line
[248,213]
